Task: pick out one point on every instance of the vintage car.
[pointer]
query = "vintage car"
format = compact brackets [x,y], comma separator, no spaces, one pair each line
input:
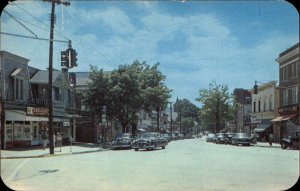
[211,137]
[228,137]
[124,140]
[220,138]
[151,140]
[291,141]
[241,138]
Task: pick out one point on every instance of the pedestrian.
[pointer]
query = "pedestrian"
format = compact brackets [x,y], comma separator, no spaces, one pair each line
[270,139]
[59,141]
[45,140]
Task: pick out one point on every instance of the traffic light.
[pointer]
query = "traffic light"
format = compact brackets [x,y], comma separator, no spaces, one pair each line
[64,58]
[72,57]
[255,88]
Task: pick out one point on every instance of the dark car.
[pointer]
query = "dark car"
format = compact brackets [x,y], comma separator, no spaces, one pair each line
[150,141]
[167,136]
[211,137]
[124,140]
[241,138]
[228,137]
[220,138]
[291,141]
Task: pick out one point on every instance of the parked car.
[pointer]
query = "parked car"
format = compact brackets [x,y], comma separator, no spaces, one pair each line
[180,136]
[220,138]
[228,137]
[167,136]
[124,140]
[150,141]
[291,141]
[211,137]
[241,138]
[173,137]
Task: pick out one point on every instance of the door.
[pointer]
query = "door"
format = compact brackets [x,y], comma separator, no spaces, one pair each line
[35,134]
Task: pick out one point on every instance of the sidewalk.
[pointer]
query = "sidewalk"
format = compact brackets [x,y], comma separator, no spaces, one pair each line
[38,151]
[266,144]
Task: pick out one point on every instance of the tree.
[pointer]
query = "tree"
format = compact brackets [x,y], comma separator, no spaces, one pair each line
[127,90]
[216,107]
[188,114]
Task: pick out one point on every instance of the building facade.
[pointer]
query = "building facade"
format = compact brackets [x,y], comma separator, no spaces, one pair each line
[243,111]
[264,104]
[289,92]
[24,100]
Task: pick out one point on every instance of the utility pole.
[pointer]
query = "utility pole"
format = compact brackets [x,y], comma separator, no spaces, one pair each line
[50,121]
[171,119]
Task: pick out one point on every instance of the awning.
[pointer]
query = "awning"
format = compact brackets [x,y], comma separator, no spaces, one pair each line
[14,115]
[283,117]
[262,127]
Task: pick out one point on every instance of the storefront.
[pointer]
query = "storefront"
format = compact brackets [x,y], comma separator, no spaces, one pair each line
[285,124]
[26,130]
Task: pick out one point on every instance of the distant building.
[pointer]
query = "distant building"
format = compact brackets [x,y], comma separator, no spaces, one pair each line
[243,112]
[264,104]
[289,87]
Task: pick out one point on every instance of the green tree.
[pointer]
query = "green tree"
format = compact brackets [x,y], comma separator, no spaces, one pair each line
[127,90]
[188,114]
[216,107]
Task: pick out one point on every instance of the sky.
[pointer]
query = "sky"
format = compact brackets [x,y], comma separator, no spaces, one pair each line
[233,43]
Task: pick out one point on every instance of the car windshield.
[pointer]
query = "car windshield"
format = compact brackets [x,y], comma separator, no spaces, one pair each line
[148,135]
[241,135]
[211,135]
[122,136]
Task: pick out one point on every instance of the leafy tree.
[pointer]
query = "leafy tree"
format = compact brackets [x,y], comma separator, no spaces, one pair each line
[188,112]
[129,89]
[188,109]
[216,106]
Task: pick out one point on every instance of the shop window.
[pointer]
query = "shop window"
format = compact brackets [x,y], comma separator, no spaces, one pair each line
[27,133]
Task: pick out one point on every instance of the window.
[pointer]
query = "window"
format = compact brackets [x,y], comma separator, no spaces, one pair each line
[285,96]
[56,94]
[294,95]
[270,104]
[18,89]
[265,104]
[293,70]
[254,107]
[247,100]
[259,106]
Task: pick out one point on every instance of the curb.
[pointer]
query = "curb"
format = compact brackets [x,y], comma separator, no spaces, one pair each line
[53,155]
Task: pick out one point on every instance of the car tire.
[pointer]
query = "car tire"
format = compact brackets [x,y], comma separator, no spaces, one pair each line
[163,147]
[283,145]
[136,149]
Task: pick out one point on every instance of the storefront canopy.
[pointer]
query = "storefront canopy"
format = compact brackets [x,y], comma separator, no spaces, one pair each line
[283,117]
[262,127]
[14,115]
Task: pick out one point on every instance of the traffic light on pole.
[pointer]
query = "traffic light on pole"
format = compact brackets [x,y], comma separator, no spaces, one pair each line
[64,58]
[74,57]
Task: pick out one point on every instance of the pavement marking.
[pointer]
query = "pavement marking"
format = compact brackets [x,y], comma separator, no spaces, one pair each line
[13,174]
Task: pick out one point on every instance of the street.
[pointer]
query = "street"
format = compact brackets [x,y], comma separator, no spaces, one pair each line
[191,164]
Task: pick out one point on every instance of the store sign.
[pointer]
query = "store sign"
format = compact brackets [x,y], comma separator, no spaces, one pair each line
[291,109]
[37,110]
[255,118]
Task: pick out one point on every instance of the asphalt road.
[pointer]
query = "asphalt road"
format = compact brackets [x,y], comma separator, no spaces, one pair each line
[184,165]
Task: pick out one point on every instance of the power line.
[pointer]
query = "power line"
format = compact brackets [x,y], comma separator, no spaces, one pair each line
[20,23]
[62,35]
[31,37]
